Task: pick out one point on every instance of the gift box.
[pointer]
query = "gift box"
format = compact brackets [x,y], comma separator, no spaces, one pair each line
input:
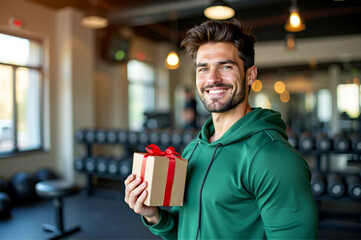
[165,173]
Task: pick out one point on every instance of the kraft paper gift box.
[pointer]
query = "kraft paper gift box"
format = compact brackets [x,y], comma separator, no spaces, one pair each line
[157,172]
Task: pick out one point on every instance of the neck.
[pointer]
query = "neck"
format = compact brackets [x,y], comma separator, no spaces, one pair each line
[223,121]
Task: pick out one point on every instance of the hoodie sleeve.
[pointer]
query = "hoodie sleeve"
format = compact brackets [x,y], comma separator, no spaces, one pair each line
[279,179]
[167,227]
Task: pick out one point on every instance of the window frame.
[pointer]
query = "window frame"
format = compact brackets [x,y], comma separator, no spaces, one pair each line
[152,84]
[15,151]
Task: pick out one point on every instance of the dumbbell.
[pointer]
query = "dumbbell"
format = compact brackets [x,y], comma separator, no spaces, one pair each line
[165,138]
[125,167]
[122,137]
[306,142]
[80,135]
[188,136]
[89,165]
[79,164]
[133,139]
[318,183]
[323,143]
[292,139]
[341,143]
[101,166]
[113,167]
[176,138]
[111,136]
[335,185]
[100,136]
[354,186]
[154,137]
[90,136]
[143,139]
[355,142]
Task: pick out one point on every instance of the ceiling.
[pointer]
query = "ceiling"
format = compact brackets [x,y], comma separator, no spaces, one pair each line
[163,20]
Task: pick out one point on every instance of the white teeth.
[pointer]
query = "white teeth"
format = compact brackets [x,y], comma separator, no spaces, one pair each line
[216,91]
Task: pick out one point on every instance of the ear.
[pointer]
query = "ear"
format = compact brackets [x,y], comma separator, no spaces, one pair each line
[251,75]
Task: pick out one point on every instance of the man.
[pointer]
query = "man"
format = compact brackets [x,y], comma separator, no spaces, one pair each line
[190,110]
[244,180]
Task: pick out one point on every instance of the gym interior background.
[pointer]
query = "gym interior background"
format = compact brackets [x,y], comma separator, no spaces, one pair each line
[86,99]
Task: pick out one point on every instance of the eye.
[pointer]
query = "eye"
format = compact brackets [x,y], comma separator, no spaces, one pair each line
[202,69]
[226,67]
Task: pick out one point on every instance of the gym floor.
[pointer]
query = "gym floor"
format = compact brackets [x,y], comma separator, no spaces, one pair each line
[99,218]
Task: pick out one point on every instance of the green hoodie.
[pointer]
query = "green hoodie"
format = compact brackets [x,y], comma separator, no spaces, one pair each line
[255,186]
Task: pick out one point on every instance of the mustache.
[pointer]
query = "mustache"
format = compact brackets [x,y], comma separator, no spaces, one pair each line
[216,85]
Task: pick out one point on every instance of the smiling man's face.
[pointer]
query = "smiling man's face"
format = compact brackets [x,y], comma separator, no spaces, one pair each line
[221,83]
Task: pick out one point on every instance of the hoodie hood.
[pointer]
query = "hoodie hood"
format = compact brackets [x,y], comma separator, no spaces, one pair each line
[255,121]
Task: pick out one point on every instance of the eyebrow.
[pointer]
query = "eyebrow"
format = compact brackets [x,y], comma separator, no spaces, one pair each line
[219,63]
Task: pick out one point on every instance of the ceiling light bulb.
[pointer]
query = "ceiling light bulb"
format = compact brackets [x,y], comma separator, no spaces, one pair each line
[295,22]
[94,18]
[219,10]
[172,61]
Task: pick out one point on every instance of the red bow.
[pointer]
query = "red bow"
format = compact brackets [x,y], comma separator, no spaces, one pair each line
[154,150]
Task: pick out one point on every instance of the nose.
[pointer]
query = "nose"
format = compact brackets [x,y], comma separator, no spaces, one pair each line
[214,76]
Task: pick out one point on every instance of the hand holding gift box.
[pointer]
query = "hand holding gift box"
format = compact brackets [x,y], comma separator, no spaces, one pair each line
[165,173]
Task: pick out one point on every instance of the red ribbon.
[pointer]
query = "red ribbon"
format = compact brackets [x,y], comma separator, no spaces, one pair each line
[154,150]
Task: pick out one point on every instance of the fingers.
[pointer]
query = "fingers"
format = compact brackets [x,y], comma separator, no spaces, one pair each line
[139,204]
[133,191]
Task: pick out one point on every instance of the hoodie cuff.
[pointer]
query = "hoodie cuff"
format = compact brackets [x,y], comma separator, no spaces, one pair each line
[163,222]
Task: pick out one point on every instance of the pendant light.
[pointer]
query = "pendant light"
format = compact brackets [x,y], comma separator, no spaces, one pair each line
[295,23]
[219,10]
[94,17]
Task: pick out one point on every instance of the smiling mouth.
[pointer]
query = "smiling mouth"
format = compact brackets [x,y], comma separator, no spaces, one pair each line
[216,91]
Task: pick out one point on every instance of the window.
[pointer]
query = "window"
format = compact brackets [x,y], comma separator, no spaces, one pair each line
[140,92]
[20,94]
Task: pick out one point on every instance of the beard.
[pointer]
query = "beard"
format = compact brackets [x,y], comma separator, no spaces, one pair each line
[214,106]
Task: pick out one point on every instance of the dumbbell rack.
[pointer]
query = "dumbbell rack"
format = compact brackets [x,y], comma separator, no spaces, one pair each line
[131,142]
[320,154]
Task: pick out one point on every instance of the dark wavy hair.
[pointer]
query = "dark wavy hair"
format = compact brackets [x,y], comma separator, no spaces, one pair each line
[212,31]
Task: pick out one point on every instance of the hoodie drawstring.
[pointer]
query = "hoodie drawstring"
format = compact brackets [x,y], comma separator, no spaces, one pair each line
[200,194]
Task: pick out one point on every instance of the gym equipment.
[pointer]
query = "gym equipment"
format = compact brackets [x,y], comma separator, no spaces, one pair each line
[80,135]
[22,188]
[355,139]
[154,137]
[354,186]
[125,167]
[113,167]
[292,139]
[5,205]
[341,143]
[144,138]
[306,142]
[176,138]
[165,138]
[323,143]
[3,185]
[122,137]
[318,183]
[89,165]
[335,185]
[111,136]
[90,136]
[79,164]
[101,166]
[133,139]
[57,190]
[100,135]
[45,174]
